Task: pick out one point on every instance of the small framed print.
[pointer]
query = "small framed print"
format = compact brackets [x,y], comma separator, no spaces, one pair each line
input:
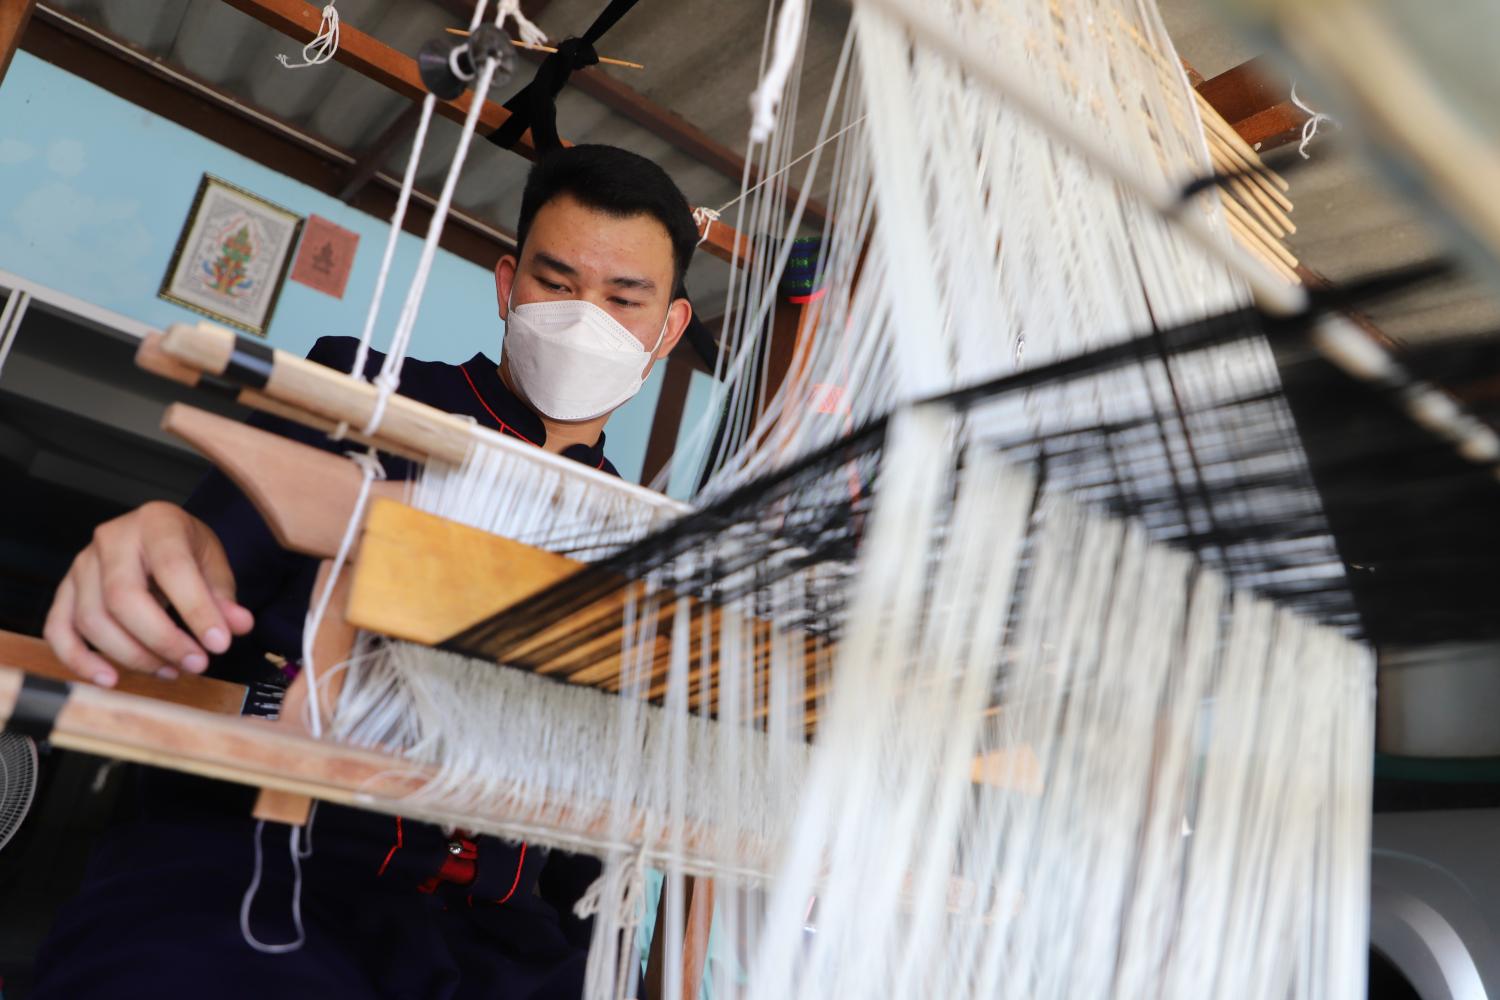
[325,256]
[232,257]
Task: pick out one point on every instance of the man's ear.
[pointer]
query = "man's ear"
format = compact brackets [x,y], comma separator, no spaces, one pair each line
[505,276]
[679,314]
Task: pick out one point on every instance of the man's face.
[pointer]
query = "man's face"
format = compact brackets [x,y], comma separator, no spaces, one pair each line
[622,265]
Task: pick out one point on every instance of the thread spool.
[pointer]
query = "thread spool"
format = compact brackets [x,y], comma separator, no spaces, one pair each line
[448,65]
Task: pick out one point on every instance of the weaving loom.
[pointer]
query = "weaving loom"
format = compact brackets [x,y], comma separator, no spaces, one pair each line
[1034,665]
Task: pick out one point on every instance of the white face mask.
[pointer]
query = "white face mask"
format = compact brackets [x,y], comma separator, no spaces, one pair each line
[572,360]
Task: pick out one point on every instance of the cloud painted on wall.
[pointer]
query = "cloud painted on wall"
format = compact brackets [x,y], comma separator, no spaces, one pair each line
[65,157]
[14,152]
[102,241]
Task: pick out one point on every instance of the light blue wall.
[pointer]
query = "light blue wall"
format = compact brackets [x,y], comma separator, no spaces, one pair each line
[94,192]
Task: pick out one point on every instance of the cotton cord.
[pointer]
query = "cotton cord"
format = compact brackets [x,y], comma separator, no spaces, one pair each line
[323,46]
[783,170]
[528,32]
[370,470]
[704,219]
[390,373]
[296,854]
[393,234]
[1309,127]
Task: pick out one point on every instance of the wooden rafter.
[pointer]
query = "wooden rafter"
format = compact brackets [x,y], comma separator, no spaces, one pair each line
[662,122]
[377,61]
[1255,99]
[14,16]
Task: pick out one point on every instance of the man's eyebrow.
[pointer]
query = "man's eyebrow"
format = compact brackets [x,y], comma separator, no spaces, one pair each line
[547,260]
[625,281]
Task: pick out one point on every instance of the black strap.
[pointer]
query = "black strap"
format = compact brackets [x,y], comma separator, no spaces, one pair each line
[250,364]
[37,706]
[535,105]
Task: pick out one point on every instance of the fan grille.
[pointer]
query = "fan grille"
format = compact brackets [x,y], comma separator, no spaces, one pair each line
[18,765]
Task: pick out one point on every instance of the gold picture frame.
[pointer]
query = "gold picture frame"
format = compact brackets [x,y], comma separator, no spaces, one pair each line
[232,256]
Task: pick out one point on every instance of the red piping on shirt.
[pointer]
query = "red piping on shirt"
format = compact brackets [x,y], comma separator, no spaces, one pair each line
[503,425]
[520,864]
[392,852]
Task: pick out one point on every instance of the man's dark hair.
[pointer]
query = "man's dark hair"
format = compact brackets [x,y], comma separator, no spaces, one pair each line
[617,182]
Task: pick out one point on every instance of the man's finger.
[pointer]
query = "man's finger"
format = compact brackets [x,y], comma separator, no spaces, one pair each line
[220,577]
[132,607]
[97,627]
[170,562]
[240,620]
[66,644]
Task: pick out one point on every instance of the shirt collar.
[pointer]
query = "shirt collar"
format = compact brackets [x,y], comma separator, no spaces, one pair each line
[494,405]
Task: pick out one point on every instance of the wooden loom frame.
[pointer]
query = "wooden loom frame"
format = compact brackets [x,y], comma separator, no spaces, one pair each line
[193,735]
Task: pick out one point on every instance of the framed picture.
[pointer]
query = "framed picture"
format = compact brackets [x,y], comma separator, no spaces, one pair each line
[232,256]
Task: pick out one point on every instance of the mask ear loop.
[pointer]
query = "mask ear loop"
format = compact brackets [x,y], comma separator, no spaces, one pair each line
[651,354]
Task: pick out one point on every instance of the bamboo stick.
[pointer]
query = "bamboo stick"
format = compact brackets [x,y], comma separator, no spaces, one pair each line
[464,33]
[1252,194]
[1259,233]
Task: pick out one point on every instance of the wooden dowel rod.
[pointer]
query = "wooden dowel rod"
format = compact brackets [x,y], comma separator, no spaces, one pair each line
[1238,213]
[210,694]
[1260,177]
[1254,245]
[406,424]
[1252,193]
[1226,131]
[258,753]
[1240,191]
[464,33]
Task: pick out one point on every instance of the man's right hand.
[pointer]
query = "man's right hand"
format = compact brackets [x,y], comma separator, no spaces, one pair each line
[112,600]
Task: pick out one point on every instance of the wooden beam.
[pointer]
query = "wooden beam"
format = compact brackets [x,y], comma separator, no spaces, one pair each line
[149,82]
[301,21]
[1247,89]
[375,60]
[1272,127]
[15,15]
[1255,98]
[662,122]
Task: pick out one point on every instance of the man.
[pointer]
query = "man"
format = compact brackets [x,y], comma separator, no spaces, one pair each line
[387,909]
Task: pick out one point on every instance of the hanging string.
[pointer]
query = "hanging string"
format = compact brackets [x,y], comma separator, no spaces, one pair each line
[371,468]
[767,96]
[408,182]
[529,32]
[715,213]
[390,372]
[1309,127]
[323,46]
[248,900]
[704,219]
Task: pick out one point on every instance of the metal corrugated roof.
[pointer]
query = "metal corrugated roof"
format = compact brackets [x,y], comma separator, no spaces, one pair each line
[702,60]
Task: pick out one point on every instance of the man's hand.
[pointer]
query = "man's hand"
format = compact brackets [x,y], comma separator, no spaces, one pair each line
[112,598]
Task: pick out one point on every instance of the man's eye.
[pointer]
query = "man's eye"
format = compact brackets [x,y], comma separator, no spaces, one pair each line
[551,286]
[624,302]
